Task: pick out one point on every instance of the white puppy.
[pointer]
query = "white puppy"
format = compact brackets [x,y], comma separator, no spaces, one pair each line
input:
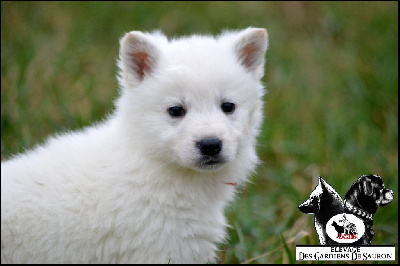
[150,183]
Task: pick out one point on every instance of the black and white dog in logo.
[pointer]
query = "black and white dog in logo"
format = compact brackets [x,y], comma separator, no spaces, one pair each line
[325,203]
[345,228]
[348,223]
[363,199]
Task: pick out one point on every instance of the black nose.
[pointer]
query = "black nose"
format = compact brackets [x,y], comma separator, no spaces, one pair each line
[210,146]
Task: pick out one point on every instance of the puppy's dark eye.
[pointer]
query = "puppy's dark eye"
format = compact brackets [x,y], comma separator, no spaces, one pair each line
[176,111]
[228,107]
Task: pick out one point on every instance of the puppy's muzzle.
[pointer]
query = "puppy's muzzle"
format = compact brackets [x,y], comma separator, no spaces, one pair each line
[209,146]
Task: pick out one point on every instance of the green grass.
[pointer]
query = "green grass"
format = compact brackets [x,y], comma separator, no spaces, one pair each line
[331,107]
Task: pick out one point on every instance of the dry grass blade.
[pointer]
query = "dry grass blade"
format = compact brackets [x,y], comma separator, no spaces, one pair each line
[301,234]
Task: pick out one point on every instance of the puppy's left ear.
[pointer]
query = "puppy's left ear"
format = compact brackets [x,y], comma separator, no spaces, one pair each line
[367,187]
[139,56]
[251,48]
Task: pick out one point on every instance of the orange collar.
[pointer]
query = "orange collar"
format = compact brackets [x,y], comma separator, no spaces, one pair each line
[231,184]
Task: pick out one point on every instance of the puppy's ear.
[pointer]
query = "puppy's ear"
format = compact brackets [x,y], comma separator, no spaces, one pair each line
[367,187]
[251,48]
[138,57]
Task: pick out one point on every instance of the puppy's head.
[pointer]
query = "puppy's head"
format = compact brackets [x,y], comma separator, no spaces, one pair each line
[195,101]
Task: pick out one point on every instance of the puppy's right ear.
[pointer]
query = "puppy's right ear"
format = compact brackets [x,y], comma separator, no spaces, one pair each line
[138,57]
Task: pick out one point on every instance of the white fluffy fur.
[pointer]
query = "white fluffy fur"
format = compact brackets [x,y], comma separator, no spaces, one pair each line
[129,190]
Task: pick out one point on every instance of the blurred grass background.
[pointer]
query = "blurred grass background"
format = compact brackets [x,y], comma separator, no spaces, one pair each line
[331,107]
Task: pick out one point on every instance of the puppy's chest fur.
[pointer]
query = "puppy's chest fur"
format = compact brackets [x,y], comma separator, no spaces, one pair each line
[179,227]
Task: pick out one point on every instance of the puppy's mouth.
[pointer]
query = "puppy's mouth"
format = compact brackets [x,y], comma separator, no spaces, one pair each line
[210,162]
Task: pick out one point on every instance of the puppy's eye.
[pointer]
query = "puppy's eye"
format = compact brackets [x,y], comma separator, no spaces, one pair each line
[228,107]
[176,111]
